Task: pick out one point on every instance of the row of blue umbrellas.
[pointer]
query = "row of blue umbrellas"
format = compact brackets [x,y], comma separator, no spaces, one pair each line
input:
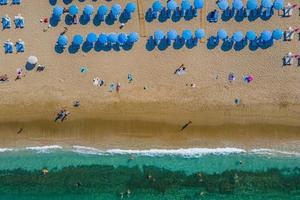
[238,36]
[88,10]
[172,5]
[173,35]
[103,38]
[252,4]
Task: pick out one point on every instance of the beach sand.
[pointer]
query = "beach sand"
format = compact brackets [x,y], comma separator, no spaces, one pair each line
[268,116]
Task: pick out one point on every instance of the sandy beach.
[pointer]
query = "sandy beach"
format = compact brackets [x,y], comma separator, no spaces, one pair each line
[137,118]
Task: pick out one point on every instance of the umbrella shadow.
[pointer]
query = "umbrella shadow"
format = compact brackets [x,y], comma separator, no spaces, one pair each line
[162,17]
[86,47]
[98,46]
[212,42]
[150,45]
[73,48]
[29,66]
[238,17]
[84,20]
[97,21]
[127,46]
[265,17]
[189,44]
[67,1]
[188,15]
[109,20]
[178,44]
[226,46]
[54,21]
[59,49]
[124,17]
[238,46]
[176,16]
[226,15]
[52,2]
[253,16]
[148,15]
[253,46]
[69,19]
[116,47]
[163,45]
[266,44]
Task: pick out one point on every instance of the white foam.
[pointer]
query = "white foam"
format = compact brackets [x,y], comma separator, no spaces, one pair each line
[188,152]
[274,152]
[44,149]
[5,150]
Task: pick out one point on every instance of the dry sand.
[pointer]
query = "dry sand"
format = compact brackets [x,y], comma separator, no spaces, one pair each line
[269,114]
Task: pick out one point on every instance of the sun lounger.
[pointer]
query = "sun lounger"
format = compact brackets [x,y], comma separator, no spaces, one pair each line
[288,10]
[19,21]
[20,46]
[6,24]
[4,2]
[16,2]
[8,47]
[288,59]
[289,34]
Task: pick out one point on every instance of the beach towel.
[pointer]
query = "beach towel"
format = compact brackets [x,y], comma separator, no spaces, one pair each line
[112,87]
[130,78]
[84,69]
[20,47]
[6,23]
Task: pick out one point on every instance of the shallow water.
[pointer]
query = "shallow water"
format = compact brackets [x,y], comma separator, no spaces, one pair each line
[226,173]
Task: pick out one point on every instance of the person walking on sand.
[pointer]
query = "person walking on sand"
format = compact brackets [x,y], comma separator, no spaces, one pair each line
[65,31]
[118,87]
[186,125]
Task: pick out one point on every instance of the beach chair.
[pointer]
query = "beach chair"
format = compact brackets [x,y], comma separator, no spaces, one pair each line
[20,46]
[289,34]
[19,21]
[16,2]
[288,10]
[6,24]
[4,2]
[8,47]
[269,12]
[288,59]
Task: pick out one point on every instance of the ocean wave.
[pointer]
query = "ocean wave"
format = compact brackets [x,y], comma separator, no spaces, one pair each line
[5,150]
[44,149]
[274,152]
[188,152]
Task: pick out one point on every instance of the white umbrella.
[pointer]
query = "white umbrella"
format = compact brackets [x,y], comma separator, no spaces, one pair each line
[32,60]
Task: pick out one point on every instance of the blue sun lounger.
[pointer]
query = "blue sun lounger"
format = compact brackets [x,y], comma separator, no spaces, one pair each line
[3,2]
[19,22]
[16,2]
[8,47]
[20,46]
[6,23]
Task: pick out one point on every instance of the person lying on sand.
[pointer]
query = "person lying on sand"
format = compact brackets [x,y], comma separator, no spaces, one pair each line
[4,78]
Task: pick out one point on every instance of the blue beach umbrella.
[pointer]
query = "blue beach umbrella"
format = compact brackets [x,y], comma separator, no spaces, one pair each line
[266,35]
[91,37]
[88,10]
[266,3]
[116,9]
[58,11]
[73,9]
[278,4]
[198,4]
[277,34]
[223,4]
[238,36]
[102,38]
[237,4]
[157,6]
[77,39]
[172,34]
[133,37]
[187,34]
[222,34]
[102,10]
[130,7]
[186,4]
[172,5]
[122,38]
[159,35]
[199,33]
[252,4]
[112,38]
[251,35]
[62,40]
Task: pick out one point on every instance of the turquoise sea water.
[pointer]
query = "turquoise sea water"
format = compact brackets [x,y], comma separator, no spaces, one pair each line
[85,173]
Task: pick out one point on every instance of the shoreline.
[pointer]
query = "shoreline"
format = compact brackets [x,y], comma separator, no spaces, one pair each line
[148,126]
